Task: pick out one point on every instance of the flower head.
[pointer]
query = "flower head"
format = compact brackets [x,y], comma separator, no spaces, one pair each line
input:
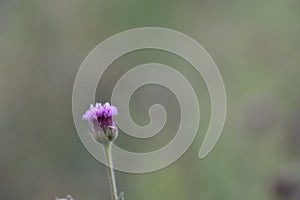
[101,120]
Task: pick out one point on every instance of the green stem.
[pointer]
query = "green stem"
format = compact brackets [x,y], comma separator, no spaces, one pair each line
[110,169]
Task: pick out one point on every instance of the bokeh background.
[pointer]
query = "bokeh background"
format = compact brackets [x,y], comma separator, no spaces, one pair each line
[256,45]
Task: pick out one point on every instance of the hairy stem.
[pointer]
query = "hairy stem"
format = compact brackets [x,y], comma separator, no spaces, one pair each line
[110,169]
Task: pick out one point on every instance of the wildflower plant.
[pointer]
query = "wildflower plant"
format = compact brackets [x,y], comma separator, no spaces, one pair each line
[104,131]
[103,127]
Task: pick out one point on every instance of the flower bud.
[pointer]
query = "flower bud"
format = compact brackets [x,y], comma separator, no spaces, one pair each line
[103,127]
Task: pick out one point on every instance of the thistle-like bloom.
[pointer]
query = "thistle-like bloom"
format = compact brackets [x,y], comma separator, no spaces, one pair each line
[103,126]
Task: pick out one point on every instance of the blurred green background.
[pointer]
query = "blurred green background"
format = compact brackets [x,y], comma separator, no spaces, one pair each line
[256,45]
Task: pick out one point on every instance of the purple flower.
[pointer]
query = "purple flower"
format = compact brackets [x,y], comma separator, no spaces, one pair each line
[93,112]
[101,119]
